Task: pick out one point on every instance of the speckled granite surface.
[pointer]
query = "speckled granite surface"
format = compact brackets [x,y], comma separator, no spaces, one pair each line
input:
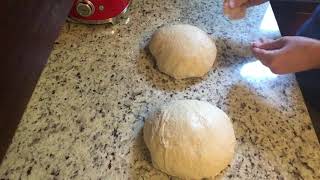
[85,117]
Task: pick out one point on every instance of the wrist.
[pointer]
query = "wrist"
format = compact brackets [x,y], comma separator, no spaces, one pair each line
[316,53]
[251,3]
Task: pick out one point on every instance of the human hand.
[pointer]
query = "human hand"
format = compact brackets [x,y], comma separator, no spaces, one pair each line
[246,3]
[236,9]
[288,54]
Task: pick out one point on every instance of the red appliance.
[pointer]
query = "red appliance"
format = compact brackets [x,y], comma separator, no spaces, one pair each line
[98,11]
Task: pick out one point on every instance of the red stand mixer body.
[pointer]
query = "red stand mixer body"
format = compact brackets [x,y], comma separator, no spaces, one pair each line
[98,11]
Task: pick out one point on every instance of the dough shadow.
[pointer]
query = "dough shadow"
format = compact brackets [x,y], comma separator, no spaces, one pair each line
[143,168]
[262,130]
[229,53]
[147,67]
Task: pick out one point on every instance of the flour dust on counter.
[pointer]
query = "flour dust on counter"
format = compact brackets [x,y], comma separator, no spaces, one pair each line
[85,118]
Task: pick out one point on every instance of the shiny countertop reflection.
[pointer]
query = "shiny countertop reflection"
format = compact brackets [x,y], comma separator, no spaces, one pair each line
[256,71]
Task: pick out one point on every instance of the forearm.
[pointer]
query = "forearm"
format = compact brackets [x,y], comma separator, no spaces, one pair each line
[256,2]
[315,53]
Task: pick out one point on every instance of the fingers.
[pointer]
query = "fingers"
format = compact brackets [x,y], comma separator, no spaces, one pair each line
[236,3]
[255,2]
[235,13]
[235,9]
[243,3]
[261,54]
[225,5]
[268,44]
[271,53]
[261,41]
[265,56]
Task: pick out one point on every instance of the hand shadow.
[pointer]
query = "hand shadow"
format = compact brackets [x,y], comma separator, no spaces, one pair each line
[273,138]
[272,133]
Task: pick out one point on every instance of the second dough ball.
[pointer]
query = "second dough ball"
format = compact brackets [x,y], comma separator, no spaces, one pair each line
[183,51]
[190,139]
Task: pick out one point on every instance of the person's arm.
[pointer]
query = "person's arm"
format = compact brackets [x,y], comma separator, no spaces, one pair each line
[288,54]
[246,3]
[236,9]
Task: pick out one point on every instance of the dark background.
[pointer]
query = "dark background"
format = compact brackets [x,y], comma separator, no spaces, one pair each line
[27,32]
[290,16]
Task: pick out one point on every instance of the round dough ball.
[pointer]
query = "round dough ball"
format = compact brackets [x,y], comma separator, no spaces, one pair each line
[183,51]
[190,139]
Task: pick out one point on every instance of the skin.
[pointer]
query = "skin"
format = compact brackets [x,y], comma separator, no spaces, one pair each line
[234,13]
[288,54]
[246,3]
[284,55]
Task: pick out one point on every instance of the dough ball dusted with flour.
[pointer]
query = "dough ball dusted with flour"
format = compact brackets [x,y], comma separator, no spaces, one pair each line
[190,139]
[183,51]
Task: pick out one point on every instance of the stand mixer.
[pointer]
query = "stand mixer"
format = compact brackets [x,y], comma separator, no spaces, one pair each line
[98,11]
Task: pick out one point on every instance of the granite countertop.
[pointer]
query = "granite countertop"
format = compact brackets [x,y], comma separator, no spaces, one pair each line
[85,117]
